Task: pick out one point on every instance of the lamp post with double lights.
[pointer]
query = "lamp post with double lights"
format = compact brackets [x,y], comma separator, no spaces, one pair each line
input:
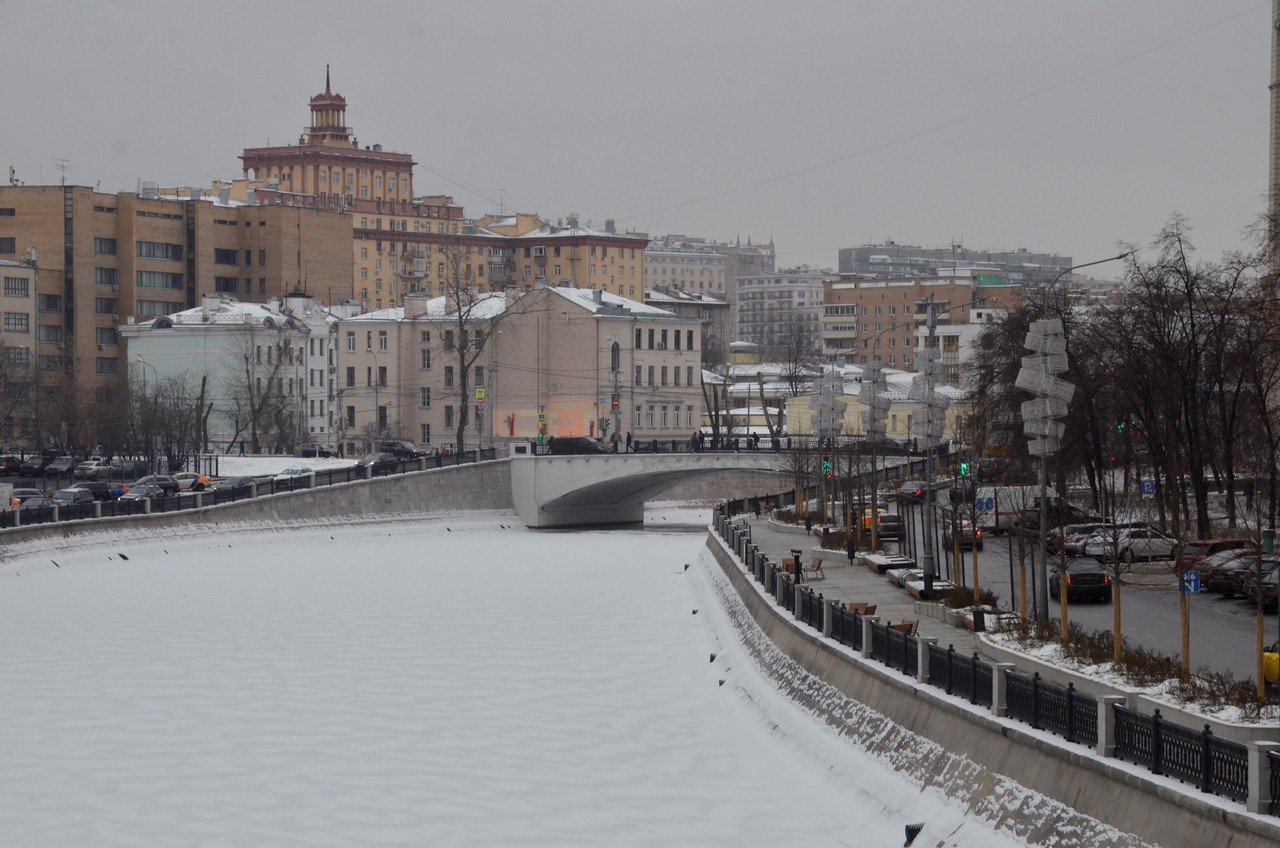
[1040,415]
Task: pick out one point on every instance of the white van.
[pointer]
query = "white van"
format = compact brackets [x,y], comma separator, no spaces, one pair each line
[998,507]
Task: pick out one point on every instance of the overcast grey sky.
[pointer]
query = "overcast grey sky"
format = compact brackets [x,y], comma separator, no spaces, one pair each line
[1061,127]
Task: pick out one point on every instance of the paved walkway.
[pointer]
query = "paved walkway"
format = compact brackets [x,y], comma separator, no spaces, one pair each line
[845,582]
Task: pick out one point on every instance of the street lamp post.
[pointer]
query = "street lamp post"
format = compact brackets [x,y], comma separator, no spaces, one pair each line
[155,445]
[377,403]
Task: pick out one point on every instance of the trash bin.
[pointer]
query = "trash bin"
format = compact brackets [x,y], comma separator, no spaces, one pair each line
[979,620]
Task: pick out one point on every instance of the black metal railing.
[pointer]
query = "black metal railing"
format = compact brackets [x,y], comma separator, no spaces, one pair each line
[1199,758]
[210,497]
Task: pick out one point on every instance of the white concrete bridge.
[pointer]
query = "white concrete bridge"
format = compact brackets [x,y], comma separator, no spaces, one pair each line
[566,491]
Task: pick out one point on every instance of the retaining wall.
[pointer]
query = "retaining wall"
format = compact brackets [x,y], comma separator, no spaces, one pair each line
[476,486]
[982,748]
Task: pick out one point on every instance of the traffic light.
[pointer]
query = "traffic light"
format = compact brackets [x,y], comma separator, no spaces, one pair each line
[1120,427]
[964,468]
[826,467]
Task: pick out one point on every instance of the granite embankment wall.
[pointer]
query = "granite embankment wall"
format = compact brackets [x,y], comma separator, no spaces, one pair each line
[976,758]
[478,486]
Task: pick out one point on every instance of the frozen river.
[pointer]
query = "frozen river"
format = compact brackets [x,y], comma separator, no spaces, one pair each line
[459,681]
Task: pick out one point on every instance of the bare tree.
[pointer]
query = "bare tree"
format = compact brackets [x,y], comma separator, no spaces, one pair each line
[256,399]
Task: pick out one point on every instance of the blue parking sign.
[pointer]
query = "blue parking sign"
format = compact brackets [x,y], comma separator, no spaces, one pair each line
[1191,581]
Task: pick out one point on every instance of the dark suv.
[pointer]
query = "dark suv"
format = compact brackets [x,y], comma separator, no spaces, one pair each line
[401,449]
[574,445]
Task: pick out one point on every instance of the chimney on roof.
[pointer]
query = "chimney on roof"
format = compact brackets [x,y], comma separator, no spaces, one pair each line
[597,295]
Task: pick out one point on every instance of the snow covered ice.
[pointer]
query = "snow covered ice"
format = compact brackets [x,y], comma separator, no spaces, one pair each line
[453,681]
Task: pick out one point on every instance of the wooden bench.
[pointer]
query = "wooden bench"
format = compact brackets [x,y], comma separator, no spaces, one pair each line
[862,608]
[811,570]
[907,626]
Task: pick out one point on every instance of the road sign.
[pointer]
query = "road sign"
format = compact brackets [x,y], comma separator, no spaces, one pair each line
[480,392]
[542,418]
[1191,581]
[1148,488]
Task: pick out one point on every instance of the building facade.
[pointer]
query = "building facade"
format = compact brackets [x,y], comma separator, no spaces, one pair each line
[779,311]
[890,259]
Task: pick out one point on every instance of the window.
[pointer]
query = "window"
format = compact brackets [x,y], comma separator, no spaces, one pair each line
[104,276]
[424,337]
[664,378]
[382,375]
[224,256]
[615,357]
[651,340]
[106,365]
[635,417]
[665,423]
[652,417]
[16,287]
[105,335]
[229,285]
[159,280]
[448,339]
[351,416]
[688,375]
[479,378]
[160,250]
[424,397]
[651,370]
[424,431]
[262,257]
[105,306]
[17,322]
[639,375]
[382,340]
[675,376]
[663,344]
[688,340]
[48,333]
[638,337]
[351,341]
[425,358]
[8,245]
[154,308]
[448,416]
[17,355]
[351,375]
[102,246]
[448,376]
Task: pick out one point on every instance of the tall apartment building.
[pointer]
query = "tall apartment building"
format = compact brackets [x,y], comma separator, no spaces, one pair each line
[103,258]
[890,259]
[776,310]
[885,320]
[404,244]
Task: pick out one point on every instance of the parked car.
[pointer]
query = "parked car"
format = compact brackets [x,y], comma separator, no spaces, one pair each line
[10,463]
[1086,579]
[382,463]
[101,491]
[65,464]
[35,502]
[130,468]
[1197,549]
[1131,543]
[1072,537]
[72,496]
[968,535]
[295,472]
[34,465]
[92,469]
[1220,572]
[189,481]
[21,495]
[575,445]
[142,491]
[912,491]
[227,483]
[313,449]
[164,481]
[1057,514]
[1244,580]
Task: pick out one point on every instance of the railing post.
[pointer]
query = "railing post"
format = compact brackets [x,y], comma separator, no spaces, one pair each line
[1071,712]
[1157,746]
[1259,799]
[1000,688]
[1107,724]
[951,658]
[797,600]
[828,618]
[200,498]
[1206,761]
[922,657]
[867,621]
[973,678]
[1035,700]
[97,509]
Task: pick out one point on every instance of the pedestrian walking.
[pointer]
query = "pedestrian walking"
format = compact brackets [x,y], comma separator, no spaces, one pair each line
[628,441]
[851,549]
[808,525]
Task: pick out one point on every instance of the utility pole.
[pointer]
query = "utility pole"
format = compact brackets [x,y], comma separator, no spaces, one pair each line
[924,391]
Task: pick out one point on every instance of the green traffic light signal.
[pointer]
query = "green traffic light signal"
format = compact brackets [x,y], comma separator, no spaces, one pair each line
[964,469]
